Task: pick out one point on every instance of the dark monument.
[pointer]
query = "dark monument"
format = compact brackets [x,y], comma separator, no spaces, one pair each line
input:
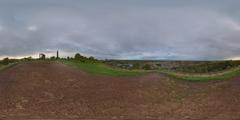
[42,56]
[57,55]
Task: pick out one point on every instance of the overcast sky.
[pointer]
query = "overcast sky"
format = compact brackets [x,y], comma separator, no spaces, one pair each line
[122,29]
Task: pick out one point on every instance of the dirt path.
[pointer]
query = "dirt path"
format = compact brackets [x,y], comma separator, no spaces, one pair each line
[43,90]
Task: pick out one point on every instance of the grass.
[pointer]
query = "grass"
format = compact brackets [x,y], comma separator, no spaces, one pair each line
[3,67]
[101,69]
[223,75]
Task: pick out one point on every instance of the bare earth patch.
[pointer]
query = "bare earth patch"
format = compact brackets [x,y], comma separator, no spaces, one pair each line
[46,90]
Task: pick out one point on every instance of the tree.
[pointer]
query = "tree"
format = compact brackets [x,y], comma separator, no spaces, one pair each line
[52,58]
[42,56]
[91,58]
[5,61]
[77,56]
[27,58]
[147,67]
[136,66]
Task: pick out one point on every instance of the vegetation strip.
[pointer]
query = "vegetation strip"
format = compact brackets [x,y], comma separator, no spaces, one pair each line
[101,69]
[224,75]
[202,72]
[4,67]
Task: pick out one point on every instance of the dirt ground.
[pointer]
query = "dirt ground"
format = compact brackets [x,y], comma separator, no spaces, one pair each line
[44,90]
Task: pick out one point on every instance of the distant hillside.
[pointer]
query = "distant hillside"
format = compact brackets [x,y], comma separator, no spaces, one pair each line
[182,66]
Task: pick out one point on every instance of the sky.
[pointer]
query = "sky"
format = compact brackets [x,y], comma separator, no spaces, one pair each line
[121,29]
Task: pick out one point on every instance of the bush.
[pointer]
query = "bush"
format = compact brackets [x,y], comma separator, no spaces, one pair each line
[5,61]
[27,58]
[77,56]
[146,67]
[53,58]
[209,67]
[136,66]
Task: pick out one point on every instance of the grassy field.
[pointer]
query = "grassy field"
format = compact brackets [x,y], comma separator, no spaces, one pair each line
[101,69]
[221,75]
[2,67]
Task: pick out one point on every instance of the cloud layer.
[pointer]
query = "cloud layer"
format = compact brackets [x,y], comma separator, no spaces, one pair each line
[121,30]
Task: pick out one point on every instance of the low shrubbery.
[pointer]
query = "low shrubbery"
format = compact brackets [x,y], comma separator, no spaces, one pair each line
[211,70]
[221,75]
[7,61]
[209,67]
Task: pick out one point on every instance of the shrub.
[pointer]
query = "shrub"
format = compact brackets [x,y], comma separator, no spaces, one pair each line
[53,57]
[5,61]
[146,67]
[77,56]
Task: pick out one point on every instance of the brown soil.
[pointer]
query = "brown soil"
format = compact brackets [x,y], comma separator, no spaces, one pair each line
[44,90]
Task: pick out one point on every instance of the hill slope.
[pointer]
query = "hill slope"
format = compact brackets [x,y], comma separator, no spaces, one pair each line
[52,90]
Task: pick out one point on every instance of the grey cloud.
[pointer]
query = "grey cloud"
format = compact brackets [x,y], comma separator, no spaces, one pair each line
[134,29]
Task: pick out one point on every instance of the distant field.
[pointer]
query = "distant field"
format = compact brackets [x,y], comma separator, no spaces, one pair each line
[179,66]
[185,70]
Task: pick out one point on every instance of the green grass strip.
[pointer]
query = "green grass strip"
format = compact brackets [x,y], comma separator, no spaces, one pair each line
[3,67]
[101,69]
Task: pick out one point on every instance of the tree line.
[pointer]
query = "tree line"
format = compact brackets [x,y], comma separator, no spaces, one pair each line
[77,56]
